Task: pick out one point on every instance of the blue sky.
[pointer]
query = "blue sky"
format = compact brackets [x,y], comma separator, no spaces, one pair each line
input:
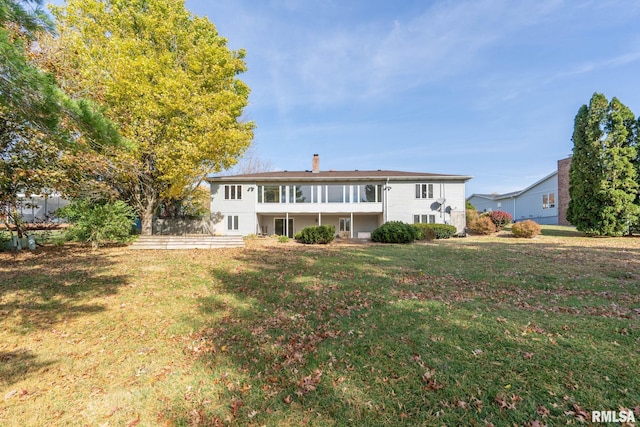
[487,88]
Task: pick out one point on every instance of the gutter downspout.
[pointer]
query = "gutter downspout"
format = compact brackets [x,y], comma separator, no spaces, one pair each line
[385,206]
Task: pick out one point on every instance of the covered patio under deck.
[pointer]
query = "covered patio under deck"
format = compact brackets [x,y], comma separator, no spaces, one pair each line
[348,224]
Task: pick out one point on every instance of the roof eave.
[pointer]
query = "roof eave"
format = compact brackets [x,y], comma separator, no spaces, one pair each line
[312,178]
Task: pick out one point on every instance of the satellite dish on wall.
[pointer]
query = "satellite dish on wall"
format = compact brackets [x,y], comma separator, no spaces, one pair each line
[440,201]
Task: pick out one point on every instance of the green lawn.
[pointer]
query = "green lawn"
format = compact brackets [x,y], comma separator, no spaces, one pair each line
[475,331]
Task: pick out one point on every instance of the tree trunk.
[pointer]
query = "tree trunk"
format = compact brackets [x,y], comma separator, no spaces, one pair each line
[146,218]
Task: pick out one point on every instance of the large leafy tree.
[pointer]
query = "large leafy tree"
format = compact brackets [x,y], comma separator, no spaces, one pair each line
[40,126]
[167,78]
[603,176]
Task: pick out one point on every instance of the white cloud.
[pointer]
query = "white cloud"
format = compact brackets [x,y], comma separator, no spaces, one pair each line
[322,66]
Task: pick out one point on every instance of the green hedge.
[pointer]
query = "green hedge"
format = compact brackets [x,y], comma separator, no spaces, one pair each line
[441,231]
[396,232]
[321,234]
[427,232]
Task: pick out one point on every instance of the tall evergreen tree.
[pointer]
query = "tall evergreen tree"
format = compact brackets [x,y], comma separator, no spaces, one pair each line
[603,178]
[39,123]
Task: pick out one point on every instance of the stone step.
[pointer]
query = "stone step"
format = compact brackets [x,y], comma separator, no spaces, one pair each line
[187,242]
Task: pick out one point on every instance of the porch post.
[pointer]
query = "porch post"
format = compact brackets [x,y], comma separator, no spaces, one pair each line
[319,218]
[351,226]
[286,224]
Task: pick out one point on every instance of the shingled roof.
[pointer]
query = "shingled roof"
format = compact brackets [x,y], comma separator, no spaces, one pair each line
[336,175]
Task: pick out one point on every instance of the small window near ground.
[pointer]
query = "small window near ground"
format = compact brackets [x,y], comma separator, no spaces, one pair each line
[232,222]
[424,219]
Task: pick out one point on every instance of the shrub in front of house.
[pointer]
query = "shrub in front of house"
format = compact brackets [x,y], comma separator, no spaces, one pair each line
[427,233]
[436,231]
[443,231]
[527,229]
[500,219]
[283,239]
[317,234]
[396,232]
[471,216]
[482,225]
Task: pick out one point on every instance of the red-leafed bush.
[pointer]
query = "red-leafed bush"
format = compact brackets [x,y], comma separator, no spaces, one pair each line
[500,219]
[527,229]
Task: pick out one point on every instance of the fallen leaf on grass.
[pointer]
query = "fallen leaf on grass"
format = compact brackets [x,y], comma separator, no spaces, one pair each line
[433,384]
[309,383]
[462,404]
[578,412]
[112,411]
[287,400]
[235,405]
[543,411]
[338,381]
[507,403]
[477,403]
[134,422]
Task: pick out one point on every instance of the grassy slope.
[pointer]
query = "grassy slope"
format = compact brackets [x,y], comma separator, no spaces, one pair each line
[469,331]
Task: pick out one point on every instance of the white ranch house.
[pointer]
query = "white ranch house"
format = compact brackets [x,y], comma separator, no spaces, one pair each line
[355,202]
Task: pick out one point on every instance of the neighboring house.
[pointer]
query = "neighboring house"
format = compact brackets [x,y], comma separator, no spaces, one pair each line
[39,208]
[545,201]
[355,202]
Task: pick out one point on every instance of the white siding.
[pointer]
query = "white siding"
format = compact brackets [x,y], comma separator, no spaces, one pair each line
[38,208]
[244,209]
[402,203]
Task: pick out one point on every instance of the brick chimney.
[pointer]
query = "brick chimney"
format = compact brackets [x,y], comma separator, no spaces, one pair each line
[315,165]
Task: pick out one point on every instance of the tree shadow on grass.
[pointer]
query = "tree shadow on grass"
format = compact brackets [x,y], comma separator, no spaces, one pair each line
[53,284]
[312,334]
[15,365]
